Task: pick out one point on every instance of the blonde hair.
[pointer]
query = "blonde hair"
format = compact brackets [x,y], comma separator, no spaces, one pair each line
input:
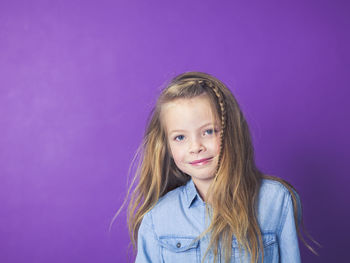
[234,191]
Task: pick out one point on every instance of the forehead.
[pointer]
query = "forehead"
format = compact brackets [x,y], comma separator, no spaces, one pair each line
[188,113]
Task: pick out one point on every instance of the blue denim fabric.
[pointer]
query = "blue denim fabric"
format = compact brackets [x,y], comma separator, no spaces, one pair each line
[167,232]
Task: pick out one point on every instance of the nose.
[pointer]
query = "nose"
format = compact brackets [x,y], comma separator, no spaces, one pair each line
[196,146]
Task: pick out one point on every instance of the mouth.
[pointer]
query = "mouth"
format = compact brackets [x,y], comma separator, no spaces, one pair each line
[201,161]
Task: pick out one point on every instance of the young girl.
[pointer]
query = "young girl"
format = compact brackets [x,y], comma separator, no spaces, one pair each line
[199,195]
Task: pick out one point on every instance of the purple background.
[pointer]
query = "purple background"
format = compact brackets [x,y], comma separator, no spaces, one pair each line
[78,78]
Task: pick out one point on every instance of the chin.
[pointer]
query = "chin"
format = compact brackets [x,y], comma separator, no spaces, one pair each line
[203,177]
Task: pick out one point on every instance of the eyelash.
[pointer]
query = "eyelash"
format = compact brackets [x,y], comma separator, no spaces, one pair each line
[175,139]
[211,130]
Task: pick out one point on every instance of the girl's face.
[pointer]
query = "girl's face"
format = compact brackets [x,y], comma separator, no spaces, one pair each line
[193,136]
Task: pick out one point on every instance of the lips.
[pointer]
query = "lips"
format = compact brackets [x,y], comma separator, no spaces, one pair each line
[201,161]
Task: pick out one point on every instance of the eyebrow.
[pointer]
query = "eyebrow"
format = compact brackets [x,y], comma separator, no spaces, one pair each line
[201,127]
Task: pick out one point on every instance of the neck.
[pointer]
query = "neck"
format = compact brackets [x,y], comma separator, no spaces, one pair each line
[202,187]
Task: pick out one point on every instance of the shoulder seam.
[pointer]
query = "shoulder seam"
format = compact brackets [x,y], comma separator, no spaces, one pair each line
[280,185]
[152,226]
[285,212]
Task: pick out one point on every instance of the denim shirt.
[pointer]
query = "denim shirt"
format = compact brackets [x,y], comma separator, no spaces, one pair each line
[167,231]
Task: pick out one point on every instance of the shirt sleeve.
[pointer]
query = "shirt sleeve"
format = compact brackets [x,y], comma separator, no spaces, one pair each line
[148,249]
[288,236]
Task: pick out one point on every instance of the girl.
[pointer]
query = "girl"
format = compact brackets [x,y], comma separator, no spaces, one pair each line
[200,196]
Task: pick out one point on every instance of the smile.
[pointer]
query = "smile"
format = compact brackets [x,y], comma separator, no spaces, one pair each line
[201,161]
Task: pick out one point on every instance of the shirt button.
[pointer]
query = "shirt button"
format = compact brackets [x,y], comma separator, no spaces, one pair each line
[178,245]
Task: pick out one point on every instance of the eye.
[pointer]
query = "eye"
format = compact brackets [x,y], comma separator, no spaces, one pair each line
[209,131]
[179,138]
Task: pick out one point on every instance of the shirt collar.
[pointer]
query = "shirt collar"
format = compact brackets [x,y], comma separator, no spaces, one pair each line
[191,193]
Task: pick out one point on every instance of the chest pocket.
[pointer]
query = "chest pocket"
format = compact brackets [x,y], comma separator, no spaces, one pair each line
[270,250]
[179,249]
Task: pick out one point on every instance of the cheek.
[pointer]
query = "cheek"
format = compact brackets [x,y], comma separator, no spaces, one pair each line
[178,156]
[176,153]
[218,145]
[215,145]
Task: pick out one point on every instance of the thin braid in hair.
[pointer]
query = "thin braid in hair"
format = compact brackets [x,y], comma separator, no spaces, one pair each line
[221,102]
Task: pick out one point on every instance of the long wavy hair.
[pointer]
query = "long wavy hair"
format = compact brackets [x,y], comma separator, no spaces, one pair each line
[234,191]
